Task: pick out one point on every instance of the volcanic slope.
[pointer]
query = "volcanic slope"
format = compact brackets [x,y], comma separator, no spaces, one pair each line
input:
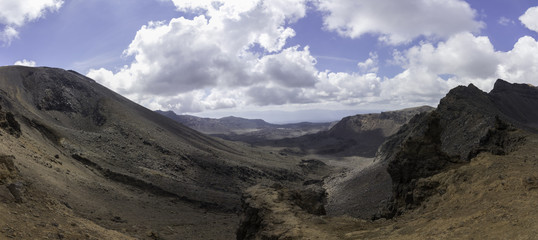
[87,156]
[466,170]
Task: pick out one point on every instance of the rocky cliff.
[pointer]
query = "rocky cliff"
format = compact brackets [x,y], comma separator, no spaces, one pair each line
[466,122]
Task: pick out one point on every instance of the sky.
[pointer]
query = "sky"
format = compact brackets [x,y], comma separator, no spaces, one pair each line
[279,60]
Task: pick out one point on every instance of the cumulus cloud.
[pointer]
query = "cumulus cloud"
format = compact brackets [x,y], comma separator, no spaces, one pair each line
[521,63]
[463,57]
[233,54]
[370,64]
[432,70]
[398,22]
[290,68]
[462,54]
[14,14]
[214,50]
[25,62]
[530,19]
[276,95]
[347,88]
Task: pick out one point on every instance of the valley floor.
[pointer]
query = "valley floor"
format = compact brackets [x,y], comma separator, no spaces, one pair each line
[492,197]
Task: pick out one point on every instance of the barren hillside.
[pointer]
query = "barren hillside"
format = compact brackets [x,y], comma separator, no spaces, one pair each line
[101,157]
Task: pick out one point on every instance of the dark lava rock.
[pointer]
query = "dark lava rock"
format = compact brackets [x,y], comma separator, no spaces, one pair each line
[466,122]
[17,190]
[7,168]
[64,91]
[259,204]
[9,124]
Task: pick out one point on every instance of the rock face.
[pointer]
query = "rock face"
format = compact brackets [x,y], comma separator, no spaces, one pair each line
[518,102]
[466,122]
[368,131]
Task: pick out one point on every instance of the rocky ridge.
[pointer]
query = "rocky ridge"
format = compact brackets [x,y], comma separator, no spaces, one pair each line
[466,122]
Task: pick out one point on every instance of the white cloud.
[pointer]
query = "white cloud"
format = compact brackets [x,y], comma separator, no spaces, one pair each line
[14,14]
[290,68]
[430,71]
[25,62]
[261,21]
[530,19]
[174,60]
[505,21]
[413,87]
[370,65]
[521,63]
[462,54]
[8,34]
[233,55]
[347,88]
[463,57]
[398,22]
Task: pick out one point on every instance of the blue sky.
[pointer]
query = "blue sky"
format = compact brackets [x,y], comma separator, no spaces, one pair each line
[281,60]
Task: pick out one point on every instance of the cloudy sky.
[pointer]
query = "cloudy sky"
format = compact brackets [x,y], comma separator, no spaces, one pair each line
[281,60]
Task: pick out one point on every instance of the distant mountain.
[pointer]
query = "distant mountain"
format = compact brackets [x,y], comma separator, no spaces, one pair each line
[247,130]
[223,125]
[358,135]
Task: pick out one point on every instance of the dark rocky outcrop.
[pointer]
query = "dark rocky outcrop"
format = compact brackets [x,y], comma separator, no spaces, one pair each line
[269,212]
[9,124]
[8,171]
[17,190]
[466,122]
[9,176]
[65,91]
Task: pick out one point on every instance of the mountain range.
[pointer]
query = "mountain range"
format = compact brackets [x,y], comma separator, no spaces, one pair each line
[247,130]
[79,161]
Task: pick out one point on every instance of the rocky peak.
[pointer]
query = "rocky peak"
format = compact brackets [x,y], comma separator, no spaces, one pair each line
[518,102]
[466,122]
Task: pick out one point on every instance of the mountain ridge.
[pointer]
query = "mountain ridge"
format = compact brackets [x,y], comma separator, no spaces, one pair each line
[467,122]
